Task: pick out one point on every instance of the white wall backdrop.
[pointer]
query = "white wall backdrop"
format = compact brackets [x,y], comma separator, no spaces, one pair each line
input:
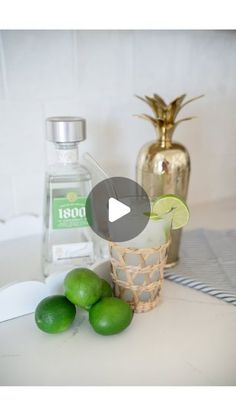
[95,74]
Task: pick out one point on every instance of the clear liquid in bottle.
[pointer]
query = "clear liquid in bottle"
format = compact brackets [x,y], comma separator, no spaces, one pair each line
[68,241]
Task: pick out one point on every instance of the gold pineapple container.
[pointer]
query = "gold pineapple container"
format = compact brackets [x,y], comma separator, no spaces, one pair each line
[163,166]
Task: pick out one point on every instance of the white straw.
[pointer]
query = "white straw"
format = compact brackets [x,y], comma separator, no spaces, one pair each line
[97,167]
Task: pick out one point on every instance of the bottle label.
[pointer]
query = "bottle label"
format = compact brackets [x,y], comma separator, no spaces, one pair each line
[69,211]
[81,253]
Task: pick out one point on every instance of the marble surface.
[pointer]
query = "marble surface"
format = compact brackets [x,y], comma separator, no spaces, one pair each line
[189,339]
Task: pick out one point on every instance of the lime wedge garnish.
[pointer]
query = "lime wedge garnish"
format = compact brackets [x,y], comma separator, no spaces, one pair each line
[179,210]
[152,215]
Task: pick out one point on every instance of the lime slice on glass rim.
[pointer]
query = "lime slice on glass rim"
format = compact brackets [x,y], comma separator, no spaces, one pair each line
[173,205]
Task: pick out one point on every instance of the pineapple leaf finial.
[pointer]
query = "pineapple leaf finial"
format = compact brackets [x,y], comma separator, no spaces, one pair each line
[165,114]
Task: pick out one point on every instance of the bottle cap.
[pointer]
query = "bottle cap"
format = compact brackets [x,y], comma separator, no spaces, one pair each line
[66,129]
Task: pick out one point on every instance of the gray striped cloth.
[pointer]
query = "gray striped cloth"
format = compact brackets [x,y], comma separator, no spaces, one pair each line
[207,263]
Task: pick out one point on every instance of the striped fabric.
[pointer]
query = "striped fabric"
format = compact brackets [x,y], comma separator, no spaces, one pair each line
[208,263]
[200,286]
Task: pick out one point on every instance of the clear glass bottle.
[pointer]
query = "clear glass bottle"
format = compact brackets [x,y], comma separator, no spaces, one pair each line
[68,241]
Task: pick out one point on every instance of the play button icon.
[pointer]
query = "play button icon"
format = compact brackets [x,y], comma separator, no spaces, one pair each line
[117,209]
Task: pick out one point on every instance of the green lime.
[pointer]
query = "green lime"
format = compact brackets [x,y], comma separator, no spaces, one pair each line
[152,216]
[172,204]
[110,316]
[106,292]
[54,314]
[83,287]
[106,289]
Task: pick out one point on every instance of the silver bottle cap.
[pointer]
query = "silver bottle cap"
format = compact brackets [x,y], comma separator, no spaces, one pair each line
[66,129]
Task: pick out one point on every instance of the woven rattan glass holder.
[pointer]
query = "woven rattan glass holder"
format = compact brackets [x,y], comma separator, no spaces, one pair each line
[138,274]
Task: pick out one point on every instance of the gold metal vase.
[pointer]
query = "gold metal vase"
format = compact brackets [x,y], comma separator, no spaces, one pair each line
[163,166]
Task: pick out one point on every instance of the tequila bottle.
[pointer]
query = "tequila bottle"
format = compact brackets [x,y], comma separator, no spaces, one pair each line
[68,241]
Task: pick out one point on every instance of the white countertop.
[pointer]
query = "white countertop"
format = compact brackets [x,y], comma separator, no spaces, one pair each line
[189,339]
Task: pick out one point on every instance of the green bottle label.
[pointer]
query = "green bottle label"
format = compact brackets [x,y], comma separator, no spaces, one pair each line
[69,211]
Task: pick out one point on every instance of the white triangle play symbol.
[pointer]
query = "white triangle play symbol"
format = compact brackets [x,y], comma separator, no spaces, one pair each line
[116,209]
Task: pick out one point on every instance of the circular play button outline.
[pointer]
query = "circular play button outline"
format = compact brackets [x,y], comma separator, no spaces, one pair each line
[117,209]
